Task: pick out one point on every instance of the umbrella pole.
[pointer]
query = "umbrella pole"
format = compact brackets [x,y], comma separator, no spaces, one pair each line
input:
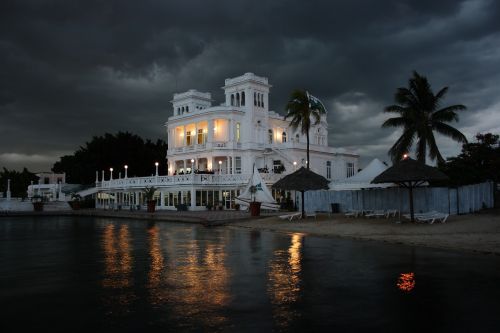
[303,211]
[411,203]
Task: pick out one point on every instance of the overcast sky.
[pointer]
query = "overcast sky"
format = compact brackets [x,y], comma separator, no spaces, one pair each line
[70,70]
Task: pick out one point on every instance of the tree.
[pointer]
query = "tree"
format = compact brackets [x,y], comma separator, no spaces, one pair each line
[304,108]
[478,162]
[420,116]
[116,151]
[19,182]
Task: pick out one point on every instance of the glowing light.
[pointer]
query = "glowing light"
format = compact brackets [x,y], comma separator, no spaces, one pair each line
[294,163]
[156,163]
[126,166]
[405,156]
[406,282]
[205,131]
[220,162]
[111,169]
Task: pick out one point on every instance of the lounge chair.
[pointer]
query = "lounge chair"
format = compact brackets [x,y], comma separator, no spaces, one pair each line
[311,214]
[391,212]
[441,217]
[376,213]
[290,217]
[352,213]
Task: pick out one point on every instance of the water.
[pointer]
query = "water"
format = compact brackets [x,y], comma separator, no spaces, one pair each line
[89,274]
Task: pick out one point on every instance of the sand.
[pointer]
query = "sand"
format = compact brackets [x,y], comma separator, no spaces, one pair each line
[478,232]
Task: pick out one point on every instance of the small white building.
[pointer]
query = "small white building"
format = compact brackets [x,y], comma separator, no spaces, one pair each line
[212,149]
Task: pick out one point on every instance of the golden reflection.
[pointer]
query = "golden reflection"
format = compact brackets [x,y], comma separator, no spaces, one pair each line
[406,282]
[117,257]
[157,261]
[195,279]
[284,281]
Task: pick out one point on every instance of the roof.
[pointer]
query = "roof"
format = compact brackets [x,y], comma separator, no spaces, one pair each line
[409,170]
[302,180]
[363,178]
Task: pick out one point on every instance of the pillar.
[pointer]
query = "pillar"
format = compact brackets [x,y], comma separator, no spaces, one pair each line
[162,199]
[193,198]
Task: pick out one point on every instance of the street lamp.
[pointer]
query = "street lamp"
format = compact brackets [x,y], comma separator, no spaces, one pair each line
[156,165]
[192,165]
[126,168]
[294,165]
[111,173]
[220,166]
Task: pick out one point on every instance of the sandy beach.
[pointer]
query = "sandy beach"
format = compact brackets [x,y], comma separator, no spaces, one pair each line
[478,232]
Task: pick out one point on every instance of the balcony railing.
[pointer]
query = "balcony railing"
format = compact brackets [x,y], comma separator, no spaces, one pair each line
[187,179]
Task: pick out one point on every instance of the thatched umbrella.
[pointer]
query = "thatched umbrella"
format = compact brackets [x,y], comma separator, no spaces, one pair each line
[410,173]
[302,180]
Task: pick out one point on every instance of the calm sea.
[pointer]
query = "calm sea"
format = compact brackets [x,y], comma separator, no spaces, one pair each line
[94,274]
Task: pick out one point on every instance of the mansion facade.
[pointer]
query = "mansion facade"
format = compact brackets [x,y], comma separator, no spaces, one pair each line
[212,150]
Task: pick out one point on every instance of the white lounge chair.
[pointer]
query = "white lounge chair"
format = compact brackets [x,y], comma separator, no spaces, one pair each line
[290,217]
[376,213]
[352,213]
[441,217]
[391,212]
[311,214]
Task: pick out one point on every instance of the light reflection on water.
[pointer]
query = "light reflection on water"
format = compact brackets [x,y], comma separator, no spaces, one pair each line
[285,280]
[406,282]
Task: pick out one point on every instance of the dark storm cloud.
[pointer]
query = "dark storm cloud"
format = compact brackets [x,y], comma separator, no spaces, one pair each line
[73,69]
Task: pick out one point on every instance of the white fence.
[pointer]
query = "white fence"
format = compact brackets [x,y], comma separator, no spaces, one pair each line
[465,199]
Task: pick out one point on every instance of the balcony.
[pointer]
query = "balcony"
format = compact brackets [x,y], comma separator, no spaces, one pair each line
[188,179]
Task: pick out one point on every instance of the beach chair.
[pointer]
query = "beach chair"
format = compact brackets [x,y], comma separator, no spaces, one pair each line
[441,217]
[376,213]
[352,213]
[311,214]
[391,213]
[290,217]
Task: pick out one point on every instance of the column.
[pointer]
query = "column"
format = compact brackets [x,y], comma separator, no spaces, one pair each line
[162,198]
[193,198]
[210,134]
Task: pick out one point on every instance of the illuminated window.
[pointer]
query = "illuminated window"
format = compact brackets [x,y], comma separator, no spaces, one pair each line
[238,132]
[202,138]
[189,138]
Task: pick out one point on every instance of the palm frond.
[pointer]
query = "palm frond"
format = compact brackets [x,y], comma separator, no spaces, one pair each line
[450,132]
[433,148]
[395,122]
[448,113]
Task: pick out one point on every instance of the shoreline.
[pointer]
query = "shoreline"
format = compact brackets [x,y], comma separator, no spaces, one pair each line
[476,233]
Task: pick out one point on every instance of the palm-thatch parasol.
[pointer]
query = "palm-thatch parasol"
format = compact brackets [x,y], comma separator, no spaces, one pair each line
[302,180]
[410,173]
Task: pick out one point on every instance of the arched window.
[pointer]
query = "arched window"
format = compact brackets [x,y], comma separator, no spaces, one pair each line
[232,100]
[237,99]
[283,137]
[242,98]
[178,111]
[187,108]
[258,100]
[254,99]
[182,110]
[262,100]
[270,134]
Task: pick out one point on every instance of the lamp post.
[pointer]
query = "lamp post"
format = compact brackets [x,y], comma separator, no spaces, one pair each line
[192,165]
[8,190]
[294,165]
[126,168]
[111,173]
[156,166]
[220,166]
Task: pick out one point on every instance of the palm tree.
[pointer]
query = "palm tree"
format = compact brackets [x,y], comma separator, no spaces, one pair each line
[304,108]
[419,116]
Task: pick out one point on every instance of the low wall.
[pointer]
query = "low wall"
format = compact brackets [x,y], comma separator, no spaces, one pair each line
[465,199]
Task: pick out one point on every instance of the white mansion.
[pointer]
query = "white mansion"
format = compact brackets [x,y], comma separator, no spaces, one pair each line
[212,150]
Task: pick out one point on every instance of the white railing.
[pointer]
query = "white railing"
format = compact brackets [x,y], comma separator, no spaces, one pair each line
[187,179]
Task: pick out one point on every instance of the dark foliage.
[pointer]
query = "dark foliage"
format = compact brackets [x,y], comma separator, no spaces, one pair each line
[420,115]
[113,151]
[19,182]
[478,162]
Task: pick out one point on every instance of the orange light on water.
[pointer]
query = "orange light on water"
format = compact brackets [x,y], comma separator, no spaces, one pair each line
[406,282]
